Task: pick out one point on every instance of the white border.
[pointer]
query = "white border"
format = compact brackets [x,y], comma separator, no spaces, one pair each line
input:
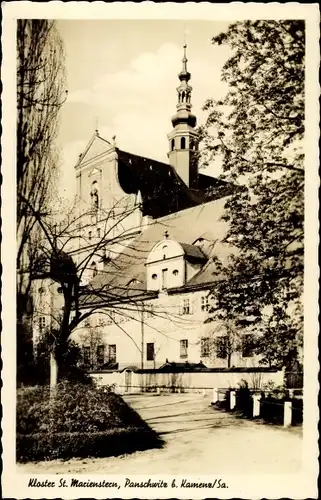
[299,486]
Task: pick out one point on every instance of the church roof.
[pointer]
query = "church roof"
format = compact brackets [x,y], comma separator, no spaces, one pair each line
[125,276]
[163,191]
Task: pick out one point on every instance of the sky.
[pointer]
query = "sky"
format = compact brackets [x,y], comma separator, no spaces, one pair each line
[122,79]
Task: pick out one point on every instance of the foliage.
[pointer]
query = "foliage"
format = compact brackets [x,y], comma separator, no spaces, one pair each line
[69,357]
[113,442]
[256,131]
[244,401]
[53,427]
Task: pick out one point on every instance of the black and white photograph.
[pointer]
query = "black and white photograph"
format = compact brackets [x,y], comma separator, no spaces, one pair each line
[160,283]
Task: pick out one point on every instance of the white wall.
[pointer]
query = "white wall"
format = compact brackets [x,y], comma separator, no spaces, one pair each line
[189,382]
[166,326]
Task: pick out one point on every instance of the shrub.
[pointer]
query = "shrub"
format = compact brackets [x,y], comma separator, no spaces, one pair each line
[80,420]
[244,401]
[272,409]
[65,445]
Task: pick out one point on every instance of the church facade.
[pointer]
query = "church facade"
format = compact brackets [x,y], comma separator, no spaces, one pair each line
[150,233]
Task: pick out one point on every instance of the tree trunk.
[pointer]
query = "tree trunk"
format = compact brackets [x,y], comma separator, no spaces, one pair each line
[53,371]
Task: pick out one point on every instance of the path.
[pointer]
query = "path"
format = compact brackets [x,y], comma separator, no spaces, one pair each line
[198,440]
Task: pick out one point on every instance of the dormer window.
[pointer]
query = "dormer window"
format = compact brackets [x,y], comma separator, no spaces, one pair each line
[176,257]
[94,269]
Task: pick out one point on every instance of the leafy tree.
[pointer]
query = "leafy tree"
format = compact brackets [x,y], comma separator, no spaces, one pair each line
[256,132]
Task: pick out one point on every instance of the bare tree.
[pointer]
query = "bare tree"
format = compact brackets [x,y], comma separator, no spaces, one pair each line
[66,257]
[67,254]
[40,95]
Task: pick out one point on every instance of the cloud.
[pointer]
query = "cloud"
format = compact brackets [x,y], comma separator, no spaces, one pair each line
[137,102]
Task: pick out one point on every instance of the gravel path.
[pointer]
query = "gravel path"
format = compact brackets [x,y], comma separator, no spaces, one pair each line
[198,440]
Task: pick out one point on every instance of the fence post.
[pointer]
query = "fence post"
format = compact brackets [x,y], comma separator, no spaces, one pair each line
[232,400]
[158,390]
[287,421]
[256,405]
[215,396]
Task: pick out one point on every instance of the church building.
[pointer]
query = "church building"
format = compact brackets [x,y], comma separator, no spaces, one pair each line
[151,279]
[151,233]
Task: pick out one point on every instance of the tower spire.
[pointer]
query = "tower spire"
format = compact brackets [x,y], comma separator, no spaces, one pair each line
[184,74]
[183,138]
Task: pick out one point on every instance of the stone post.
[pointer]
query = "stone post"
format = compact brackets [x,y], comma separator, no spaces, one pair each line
[232,400]
[256,405]
[215,396]
[287,414]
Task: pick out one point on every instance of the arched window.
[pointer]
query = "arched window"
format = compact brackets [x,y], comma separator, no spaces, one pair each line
[94,269]
[183,96]
[172,144]
[94,194]
[183,143]
[164,251]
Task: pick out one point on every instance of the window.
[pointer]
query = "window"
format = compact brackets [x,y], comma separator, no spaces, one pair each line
[86,353]
[42,323]
[154,276]
[175,272]
[112,353]
[89,235]
[183,348]
[150,352]
[59,289]
[205,304]
[100,355]
[205,347]
[172,144]
[247,346]
[164,251]
[164,278]
[93,268]
[98,233]
[183,143]
[221,347]
[186,307]
[94,195]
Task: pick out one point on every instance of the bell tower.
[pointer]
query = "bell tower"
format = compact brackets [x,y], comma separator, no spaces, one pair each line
[183,140]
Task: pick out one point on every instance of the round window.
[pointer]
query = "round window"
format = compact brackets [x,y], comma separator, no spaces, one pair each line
[175,272]
[154,276]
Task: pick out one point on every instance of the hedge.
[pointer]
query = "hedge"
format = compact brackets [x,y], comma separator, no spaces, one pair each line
[65,445]
[79,421]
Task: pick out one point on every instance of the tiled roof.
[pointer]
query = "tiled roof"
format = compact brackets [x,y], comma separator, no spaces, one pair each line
[163,191]
[185,226]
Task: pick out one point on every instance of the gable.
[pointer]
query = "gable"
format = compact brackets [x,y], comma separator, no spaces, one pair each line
[96,147]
